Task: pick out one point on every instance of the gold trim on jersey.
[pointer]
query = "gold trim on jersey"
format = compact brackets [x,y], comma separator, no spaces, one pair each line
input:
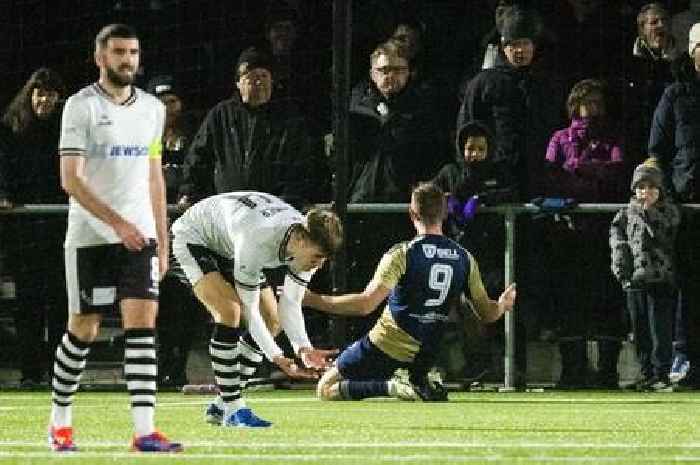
[392,340]
[477,292]
[386,334]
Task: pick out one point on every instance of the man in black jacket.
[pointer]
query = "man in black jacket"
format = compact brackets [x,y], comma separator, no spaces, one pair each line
[396,136]
[251,142]
[519,106]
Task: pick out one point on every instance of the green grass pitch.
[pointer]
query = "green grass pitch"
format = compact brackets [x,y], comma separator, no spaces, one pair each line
[477,428]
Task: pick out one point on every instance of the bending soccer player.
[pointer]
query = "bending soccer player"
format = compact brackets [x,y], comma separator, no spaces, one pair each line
[222,244]
[116,247]
[422,279]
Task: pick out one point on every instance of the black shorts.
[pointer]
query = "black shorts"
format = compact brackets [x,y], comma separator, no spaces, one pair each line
[193,261]
[100,276]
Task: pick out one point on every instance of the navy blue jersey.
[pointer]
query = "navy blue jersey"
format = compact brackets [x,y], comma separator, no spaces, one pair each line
[426,276]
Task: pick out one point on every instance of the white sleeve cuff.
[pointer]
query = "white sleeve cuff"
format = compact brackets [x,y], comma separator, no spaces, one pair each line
[256,325]
[291,316]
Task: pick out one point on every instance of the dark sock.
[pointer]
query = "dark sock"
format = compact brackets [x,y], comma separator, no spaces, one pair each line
[356,390]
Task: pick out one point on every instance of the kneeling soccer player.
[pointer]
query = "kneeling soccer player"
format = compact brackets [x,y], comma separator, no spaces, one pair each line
[422,279]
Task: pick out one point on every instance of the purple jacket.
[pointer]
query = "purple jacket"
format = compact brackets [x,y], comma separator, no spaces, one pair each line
[587,170]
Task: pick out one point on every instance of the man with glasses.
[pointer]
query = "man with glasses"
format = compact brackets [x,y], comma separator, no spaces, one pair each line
[395,123]
[397,139]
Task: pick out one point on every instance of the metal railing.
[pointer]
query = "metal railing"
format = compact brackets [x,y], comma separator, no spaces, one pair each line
[508,211]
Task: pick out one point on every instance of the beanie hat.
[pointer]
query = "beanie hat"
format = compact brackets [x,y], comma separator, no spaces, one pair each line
[648,171]
[162,84]
[251,58]
[693,38]
[521,23]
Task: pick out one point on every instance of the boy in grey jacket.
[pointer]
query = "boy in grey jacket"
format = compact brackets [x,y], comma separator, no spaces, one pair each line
[642,242]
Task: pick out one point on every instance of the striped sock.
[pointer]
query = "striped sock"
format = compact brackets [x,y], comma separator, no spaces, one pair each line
[140,370]
[223,350]
[69,363]
[249,358]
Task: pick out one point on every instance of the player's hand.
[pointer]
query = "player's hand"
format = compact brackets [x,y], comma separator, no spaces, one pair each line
[318,359]
[292,370]
[130,236]
[507,300]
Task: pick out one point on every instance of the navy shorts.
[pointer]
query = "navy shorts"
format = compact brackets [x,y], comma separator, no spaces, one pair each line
[362,360]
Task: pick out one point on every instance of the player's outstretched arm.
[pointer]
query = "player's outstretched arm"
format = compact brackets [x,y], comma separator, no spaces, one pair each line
[358,304]
[492,310]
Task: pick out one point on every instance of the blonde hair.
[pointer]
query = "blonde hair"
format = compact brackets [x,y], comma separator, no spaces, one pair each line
[391,47]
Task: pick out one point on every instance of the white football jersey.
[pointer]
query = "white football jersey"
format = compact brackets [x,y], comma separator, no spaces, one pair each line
[251,228]
[118,142]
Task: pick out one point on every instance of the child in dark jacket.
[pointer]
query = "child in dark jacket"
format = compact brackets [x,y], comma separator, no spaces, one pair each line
[476,175]
[642,238]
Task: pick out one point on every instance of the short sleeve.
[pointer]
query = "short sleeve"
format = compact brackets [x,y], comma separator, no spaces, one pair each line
[74,127]
[391,267]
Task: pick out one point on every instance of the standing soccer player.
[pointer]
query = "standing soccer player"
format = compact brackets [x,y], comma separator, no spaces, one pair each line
[222,244]
[116,247]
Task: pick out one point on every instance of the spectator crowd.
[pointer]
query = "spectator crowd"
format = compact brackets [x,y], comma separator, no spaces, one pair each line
[595,101]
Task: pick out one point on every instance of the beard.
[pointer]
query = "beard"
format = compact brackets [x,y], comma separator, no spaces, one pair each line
[119,79]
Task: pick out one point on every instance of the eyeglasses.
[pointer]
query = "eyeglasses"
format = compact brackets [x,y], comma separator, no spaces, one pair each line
[518,43]
[254,77]
[384,70]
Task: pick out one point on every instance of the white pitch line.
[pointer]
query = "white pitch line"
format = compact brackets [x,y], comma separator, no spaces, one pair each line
[304,457]
[384,445]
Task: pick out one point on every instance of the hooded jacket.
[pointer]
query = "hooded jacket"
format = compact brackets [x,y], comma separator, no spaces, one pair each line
[487,179]
[266,148]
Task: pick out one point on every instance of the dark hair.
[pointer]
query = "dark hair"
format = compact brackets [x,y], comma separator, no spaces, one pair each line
[251,58]
[111,31]
[430,203]
[323,228]
[19,114]
[581,92]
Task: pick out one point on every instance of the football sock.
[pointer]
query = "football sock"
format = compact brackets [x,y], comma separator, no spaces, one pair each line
[223,350]
[69,363]
[249,359]
[140,371]
[356,390]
